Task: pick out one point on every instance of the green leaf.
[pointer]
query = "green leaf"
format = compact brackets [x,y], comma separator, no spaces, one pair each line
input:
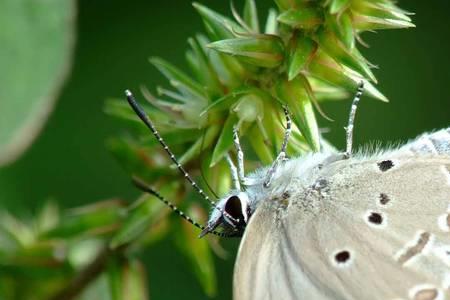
[304,18]
[225,141]
[262,50]
[294,95]
[303,50]
[251,15]
[36,39]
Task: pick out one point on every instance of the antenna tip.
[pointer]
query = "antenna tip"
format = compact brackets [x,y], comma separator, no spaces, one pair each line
[128,93]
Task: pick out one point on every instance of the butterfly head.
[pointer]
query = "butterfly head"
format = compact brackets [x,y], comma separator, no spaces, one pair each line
[231,214]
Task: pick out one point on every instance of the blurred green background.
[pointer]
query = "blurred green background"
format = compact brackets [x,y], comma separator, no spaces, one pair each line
[70,164]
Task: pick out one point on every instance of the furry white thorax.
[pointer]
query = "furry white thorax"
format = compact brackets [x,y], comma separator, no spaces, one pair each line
[302,170]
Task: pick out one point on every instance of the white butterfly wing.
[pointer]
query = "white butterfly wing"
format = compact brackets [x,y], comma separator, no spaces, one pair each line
[374,230]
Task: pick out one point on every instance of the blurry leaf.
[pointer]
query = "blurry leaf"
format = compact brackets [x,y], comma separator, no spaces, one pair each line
[198,252]
[138,160]
[127,279]
[146,211]
[16,230]
[36,39]
[48,217]
[84,252]
[90,220]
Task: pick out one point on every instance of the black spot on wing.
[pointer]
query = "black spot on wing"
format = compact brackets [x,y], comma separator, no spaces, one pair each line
[385,165]
[384,199]
[342,256]
[375,218]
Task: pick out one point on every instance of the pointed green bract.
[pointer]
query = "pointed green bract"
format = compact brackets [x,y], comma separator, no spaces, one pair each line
[294,95]
[338,5]
[251,15]
[305,18]
[334,48]
[262,51]
[178,78]
[225,141]
[218,26]
[303,50]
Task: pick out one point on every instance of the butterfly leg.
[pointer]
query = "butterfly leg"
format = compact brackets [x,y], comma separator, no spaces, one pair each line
[351,120]
[234,174]
[282,155]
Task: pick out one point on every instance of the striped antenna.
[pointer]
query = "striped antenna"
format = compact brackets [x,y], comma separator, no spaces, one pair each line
[351,119]
[141,114]
[145,188]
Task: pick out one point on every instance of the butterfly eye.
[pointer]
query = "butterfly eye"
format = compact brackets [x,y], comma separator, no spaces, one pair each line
[234,208]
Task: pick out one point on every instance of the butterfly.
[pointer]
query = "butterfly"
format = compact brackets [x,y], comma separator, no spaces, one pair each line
[333,225]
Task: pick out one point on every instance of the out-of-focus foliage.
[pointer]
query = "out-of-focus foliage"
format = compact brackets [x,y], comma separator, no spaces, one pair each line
[38,34]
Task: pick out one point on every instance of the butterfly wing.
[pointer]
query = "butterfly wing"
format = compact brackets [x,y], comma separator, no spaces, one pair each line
[377,229]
